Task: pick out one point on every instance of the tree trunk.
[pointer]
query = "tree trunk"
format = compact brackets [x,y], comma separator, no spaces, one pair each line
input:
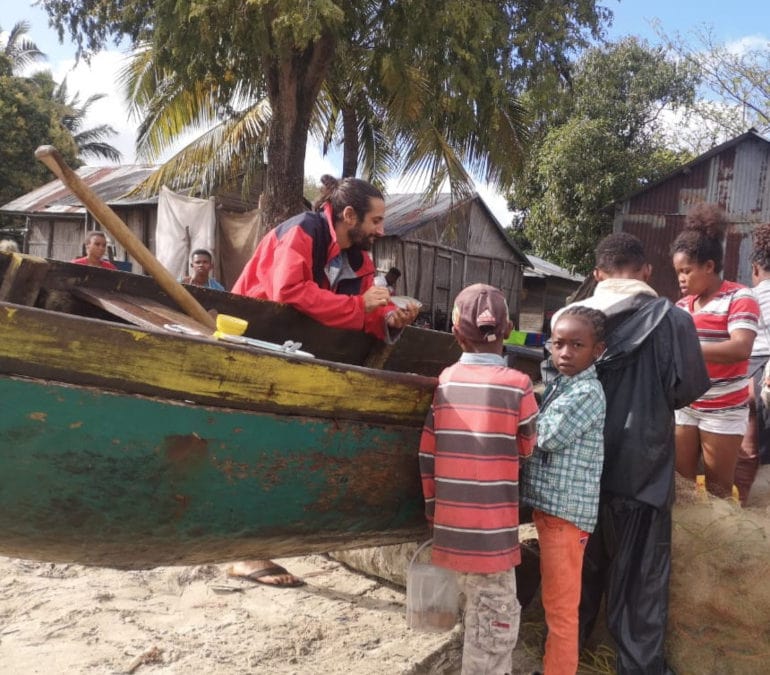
[349,142]
[293,83]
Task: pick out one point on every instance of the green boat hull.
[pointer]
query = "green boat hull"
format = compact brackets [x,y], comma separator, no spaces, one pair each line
[130,481]
[123,443]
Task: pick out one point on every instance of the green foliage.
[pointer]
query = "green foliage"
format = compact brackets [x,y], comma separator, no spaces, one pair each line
[426,87]
[90,142]
[435,86]
[36,111]
[601,142]
[28,118]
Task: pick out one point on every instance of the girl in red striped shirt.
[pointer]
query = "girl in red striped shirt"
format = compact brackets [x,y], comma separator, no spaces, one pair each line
[725,315]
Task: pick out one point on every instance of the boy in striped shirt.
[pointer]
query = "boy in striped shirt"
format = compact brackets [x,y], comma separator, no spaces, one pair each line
[481,421]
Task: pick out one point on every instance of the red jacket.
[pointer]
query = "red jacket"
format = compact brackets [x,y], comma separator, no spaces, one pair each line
[106,264]
[289,266]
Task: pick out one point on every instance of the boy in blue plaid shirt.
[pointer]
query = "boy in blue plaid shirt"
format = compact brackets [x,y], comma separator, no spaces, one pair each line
[561,478]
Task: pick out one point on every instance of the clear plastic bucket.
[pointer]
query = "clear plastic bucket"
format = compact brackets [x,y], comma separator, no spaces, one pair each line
[432,597]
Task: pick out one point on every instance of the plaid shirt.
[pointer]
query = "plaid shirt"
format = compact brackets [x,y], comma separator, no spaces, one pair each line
[562,476]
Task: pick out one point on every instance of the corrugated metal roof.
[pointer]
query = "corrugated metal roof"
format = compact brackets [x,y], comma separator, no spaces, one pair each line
[110,183]
[685,168]
[542,268]
[409,211]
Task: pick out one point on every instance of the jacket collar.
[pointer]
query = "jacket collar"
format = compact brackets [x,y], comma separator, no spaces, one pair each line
[328,215]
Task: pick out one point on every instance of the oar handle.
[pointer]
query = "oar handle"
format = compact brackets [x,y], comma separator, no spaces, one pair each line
[111,221]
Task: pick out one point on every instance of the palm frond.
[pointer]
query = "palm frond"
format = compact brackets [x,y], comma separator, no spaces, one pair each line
[219,157]
[94,134]
[99,150]
[428,156]
[20,51]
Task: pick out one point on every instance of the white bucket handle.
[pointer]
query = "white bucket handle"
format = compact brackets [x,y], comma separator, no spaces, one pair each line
[417,552]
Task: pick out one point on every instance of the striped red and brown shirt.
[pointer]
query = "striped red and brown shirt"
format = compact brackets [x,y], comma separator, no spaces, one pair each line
[733,307]
[482,418]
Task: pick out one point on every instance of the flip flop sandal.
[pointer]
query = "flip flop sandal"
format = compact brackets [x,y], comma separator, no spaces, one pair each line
[257,576]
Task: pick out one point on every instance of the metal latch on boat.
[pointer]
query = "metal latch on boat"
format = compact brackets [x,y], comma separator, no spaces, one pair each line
[225,322]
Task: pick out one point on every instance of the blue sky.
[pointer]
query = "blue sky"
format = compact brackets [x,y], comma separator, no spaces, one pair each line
[731,21]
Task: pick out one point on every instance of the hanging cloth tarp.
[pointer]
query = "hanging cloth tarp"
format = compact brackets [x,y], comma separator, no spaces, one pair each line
[237,238]
[184,224]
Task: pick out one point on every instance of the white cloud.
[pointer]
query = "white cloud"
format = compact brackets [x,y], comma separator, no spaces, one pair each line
[316,165]
[748,43]
[496,202]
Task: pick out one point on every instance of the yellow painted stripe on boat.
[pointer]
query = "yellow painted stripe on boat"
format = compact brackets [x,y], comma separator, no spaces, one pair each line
[203,368]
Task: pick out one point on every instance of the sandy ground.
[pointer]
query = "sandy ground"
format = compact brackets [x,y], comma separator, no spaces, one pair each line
[57,618]
[73,619]
[69,619]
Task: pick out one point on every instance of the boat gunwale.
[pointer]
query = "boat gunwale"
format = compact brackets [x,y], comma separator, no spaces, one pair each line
[107,331]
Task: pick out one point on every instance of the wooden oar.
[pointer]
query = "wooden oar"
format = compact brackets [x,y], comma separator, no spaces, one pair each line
[111,221]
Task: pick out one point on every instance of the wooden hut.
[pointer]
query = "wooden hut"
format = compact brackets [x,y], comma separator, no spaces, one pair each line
[546,289]
[55,222]
[444,245]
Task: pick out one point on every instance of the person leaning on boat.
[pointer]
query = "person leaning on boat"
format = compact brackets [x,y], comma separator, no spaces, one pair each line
[96,247]
[318,262]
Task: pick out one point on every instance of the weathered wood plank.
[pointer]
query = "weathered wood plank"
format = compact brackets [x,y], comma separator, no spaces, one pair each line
[419,350]
[378,356]
[22,279]
[142,312]
[129,481]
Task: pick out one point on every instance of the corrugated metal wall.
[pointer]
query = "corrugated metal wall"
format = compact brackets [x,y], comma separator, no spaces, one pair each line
[736,178]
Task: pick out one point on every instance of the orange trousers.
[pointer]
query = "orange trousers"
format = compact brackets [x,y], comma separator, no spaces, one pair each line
[562,545]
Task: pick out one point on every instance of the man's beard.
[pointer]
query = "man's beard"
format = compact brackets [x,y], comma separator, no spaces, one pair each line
[358,238]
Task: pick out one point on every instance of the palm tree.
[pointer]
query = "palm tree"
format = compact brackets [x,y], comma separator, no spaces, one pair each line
[230,137]
[18,52]
[382,110]
[90,142]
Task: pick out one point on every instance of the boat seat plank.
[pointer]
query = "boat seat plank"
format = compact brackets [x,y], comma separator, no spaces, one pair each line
[142,312]
[23,279]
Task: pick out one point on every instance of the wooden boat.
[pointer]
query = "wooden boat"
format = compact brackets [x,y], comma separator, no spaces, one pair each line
[128,444]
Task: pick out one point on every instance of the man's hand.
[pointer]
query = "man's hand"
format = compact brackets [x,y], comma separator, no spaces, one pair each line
[403,317]
[375,297]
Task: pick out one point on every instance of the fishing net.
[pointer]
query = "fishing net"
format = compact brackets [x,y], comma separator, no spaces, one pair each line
[719,612]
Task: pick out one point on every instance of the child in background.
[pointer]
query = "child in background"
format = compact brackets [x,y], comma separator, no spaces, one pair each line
[481,420]
[561,479]
[726,316]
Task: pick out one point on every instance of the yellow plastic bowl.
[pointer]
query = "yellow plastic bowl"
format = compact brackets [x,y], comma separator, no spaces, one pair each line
[231,325]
